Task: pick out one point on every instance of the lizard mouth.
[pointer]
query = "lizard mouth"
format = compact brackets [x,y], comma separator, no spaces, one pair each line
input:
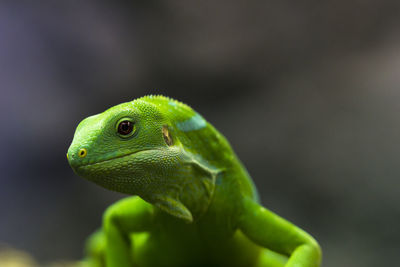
[112,158]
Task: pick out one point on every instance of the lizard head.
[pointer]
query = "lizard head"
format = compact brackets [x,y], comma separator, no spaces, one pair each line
[134,148]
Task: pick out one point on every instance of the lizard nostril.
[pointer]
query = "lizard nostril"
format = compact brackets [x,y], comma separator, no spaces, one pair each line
[82,152]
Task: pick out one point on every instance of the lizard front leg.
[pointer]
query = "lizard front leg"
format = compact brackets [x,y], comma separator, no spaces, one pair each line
[123,218]
[271,231]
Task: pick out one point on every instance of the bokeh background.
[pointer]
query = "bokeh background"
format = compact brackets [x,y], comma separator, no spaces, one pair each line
[307,92]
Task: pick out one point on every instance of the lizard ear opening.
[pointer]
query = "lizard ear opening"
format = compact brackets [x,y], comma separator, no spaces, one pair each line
[167,136]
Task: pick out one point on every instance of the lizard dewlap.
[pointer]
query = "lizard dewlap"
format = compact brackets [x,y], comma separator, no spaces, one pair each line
[193,203]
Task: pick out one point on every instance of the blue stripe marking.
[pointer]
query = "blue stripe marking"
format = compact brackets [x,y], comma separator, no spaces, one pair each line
[171,103]
[194,123]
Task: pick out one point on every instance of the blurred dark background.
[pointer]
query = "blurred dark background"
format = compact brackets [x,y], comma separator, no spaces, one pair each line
[306,91]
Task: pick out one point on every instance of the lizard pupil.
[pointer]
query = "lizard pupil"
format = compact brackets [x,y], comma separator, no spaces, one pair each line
[125,127]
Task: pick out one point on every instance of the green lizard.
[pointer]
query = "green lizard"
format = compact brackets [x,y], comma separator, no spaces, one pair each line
[195,203]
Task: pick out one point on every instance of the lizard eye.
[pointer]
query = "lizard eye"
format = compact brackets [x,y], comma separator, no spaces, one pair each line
[125,128]
[82,152]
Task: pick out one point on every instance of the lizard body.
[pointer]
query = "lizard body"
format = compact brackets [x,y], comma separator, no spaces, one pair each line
[195,203]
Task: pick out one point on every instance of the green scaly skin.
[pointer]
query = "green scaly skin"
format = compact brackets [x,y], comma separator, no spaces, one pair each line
[194,204]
